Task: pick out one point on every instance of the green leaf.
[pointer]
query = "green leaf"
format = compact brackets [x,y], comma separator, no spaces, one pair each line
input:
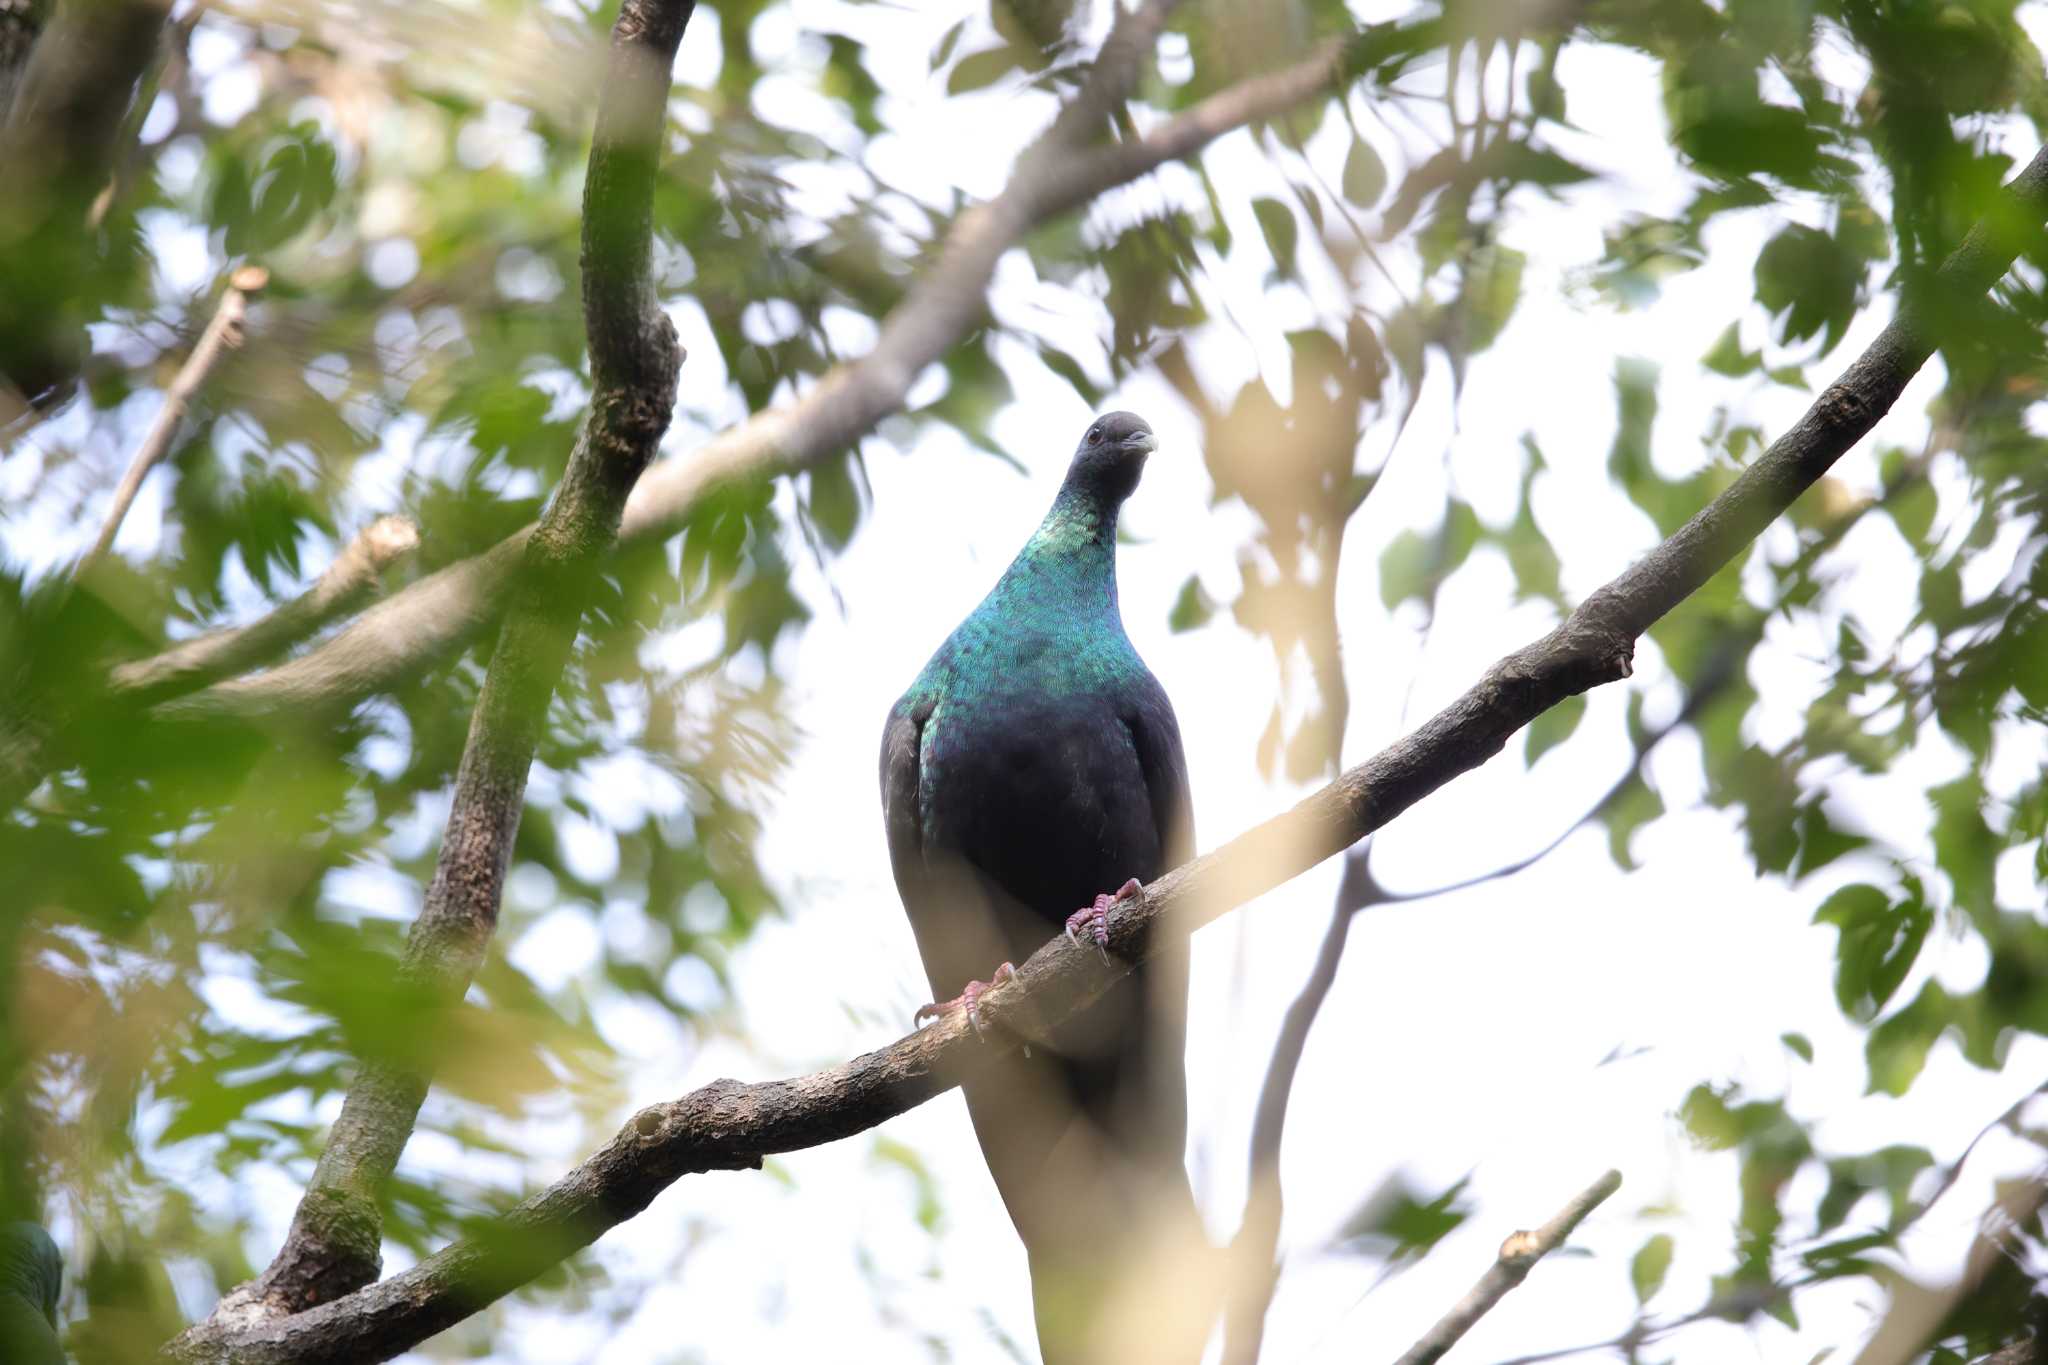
[1798,1044]
[1069,369]
[1536,166]
[1365,175]
[1276,223]
[1726,356]
[1821,841]
[1192,608]
[1912,510]
[1897,1048]
[1878,940]
[1651,1263]
[1806,279]
[1637,806]
[947,42]
[1493,286]
[1404,568]
[979,70]
[1964,845]
[890,1152]
[1553,727]
[1404,1223]
[835,503]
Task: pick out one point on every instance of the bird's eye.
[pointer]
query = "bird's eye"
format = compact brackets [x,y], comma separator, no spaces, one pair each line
[1095,437]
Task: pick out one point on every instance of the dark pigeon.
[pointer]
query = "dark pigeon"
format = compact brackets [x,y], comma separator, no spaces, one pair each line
[1034,763]
[31,1277]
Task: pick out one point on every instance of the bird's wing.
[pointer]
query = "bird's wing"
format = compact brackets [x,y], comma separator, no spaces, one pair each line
[1155,735]
[899,791]
[31,1278]
[953,909]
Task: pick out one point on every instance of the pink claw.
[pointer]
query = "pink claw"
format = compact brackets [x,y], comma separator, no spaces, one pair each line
[969,999]
[1095,918]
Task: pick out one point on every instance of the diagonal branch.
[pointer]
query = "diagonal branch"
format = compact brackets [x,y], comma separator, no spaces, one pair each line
[729,1125]
[333,1243]
[1255,1247]
[434,618]
[346,585]
[1254,1250]
[1518,1254]
[36,741]
[222,334]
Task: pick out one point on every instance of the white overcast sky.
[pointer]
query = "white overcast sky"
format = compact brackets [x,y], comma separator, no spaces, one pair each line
[1465,1034]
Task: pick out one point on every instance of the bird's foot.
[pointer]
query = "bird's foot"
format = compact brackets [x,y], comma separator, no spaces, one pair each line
[969,999]
[1093,920]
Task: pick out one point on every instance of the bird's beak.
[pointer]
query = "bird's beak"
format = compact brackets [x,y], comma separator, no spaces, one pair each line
[1141,443]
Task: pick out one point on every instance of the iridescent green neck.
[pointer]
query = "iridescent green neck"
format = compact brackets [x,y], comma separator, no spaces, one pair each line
[1065,576]
[1080,524]
[1050,625]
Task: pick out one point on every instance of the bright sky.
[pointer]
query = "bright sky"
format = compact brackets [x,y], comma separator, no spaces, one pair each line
[1466,1034]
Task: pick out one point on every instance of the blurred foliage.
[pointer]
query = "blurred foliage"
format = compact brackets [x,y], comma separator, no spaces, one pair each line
[203,917]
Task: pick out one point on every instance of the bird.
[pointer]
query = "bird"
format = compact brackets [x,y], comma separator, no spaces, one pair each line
[1035,761]
[31,1277]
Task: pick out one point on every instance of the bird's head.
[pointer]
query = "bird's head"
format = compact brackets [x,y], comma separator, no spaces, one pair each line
[1111,455]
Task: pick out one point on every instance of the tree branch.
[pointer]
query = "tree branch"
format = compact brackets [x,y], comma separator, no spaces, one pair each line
[348,582]
[1518,1254]
[729,1125]
[1917,1313]
[1255,1271]
[433,619]
[1254,1250]
[333,1243]
[222,334]
[57,150]
[21,23]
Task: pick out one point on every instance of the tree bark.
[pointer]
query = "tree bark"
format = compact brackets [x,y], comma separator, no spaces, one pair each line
[333,1244]
[1518,1256]
[58,145]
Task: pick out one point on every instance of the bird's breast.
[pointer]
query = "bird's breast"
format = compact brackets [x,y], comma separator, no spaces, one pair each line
[1041,791]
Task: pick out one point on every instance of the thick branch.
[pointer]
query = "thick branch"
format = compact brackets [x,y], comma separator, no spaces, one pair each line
[730,1125]
[222,334]
[57,151]
[1517,1255]
[21,22]
[333,1243]
[432,620]
[347,584]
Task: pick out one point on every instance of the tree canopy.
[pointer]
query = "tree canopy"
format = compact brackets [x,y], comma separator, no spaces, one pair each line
[1699,344]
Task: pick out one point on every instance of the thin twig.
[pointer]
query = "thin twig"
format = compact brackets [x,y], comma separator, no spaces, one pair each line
[1743,1301]
[222,334]
[1255,1270]
[1517,1255]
